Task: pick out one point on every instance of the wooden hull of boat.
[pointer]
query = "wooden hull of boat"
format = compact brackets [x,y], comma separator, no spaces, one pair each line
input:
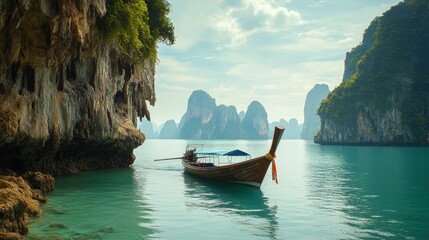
[250,172]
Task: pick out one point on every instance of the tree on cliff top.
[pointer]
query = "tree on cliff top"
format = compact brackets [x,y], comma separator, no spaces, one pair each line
[137,25]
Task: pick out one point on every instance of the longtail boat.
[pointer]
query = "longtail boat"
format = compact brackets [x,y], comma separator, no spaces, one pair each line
[250,172]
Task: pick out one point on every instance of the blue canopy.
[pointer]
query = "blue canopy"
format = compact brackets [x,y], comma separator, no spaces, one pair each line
[235,152]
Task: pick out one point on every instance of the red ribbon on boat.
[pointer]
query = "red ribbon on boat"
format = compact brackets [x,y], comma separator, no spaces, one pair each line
[273,167]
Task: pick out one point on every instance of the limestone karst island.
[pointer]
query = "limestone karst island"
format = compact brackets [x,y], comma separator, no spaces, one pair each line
[383,97]
[247,119]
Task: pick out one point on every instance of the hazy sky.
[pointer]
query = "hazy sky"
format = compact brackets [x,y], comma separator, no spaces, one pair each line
[265,50]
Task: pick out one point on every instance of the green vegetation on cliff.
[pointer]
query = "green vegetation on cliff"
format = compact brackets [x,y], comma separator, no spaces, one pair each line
[138,25]
[389,69]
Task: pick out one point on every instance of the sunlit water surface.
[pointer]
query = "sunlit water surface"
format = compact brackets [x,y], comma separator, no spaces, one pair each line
[324,192]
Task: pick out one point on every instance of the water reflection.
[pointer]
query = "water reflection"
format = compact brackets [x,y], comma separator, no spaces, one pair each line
[371,190]
[147,229]
[247,205]
[96,205]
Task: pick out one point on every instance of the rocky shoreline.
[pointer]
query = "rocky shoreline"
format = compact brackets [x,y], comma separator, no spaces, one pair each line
[20,200]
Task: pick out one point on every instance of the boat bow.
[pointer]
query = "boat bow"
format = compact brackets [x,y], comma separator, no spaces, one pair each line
[271,155]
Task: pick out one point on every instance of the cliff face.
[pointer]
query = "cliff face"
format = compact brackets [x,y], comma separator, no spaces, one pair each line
[68,99]
[383,99]
[372,127]
[312,103]
[228,124]
[169,130]
[197,122]
[352,58]
[292,128]
[148,129]
[255,122]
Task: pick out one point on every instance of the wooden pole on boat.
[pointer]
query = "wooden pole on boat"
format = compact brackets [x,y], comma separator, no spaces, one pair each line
[164,159]
[278,132]
[174,158]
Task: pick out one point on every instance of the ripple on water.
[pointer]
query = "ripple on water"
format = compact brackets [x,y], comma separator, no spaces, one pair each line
[325,192]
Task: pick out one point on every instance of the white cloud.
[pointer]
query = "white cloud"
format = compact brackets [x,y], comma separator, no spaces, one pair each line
[314,33]
[231,27]
[318,40]
[240,22]
[276,17]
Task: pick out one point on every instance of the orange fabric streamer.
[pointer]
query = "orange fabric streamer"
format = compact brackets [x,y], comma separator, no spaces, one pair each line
[274,172]
[273,167]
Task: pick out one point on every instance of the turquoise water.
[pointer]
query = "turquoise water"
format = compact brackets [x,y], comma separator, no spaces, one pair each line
[324,192]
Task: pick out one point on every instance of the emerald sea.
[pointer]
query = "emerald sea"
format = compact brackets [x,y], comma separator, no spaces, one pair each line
[324,192]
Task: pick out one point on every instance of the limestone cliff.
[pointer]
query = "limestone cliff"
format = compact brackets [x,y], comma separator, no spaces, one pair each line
[384,96]
[148,128]
[68,98]
[20,200]
[255,122]
[197,122]
[312,103]
[169,130]
[292,128]
[228,123]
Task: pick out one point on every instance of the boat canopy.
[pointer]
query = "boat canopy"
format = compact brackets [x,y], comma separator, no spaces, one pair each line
[235,152]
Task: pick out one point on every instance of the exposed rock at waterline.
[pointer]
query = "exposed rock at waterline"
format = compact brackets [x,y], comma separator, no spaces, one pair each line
[19,202]
[40,181]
